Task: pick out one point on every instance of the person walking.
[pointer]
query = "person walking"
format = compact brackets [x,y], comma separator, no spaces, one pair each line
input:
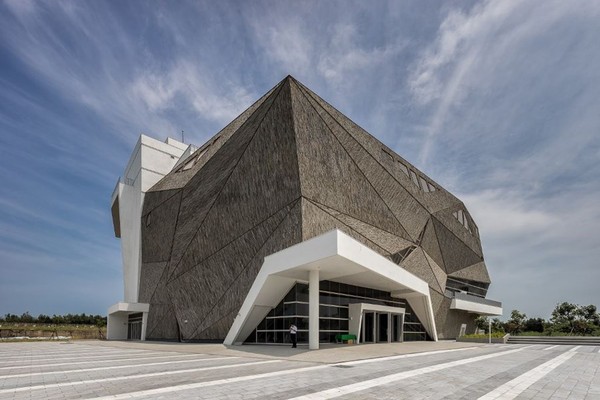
[293,335]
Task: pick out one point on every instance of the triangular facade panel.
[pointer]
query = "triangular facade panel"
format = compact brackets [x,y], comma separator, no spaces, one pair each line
[456,254]
[477,272]
[429,242]
[469,238]
[149,279]
[416,262]
[160,224]
[438,272]
[390,242]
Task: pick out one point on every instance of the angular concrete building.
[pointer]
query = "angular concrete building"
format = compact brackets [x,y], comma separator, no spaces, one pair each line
[294,214]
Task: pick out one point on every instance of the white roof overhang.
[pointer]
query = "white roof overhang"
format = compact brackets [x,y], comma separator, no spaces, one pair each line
[128,307]
[339,258]
[476,305]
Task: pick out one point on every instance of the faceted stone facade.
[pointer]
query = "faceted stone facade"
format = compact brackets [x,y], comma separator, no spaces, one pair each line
[289,168]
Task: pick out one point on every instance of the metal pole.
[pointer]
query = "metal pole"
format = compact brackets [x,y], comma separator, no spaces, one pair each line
[490,330]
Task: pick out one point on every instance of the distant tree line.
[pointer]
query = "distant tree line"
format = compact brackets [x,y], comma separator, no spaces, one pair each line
[566,319]
[73,319]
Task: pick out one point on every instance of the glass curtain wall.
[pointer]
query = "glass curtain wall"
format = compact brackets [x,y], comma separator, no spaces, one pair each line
[334,299]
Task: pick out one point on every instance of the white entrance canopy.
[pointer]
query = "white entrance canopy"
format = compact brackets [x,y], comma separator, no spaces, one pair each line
[118,315]
[333,256]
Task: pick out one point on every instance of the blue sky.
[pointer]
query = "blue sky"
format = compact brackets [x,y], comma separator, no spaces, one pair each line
[497,101]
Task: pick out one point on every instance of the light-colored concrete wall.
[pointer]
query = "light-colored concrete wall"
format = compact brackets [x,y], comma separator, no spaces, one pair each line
[116,328]
[150,161]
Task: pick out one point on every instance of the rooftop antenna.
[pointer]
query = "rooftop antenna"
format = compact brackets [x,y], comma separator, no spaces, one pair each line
[182,139]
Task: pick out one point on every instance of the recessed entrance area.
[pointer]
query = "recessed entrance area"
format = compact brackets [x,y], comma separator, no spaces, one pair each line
[377,324]
[134,326]
[381,327]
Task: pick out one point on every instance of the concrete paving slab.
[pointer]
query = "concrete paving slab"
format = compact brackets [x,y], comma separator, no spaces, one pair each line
[417,370]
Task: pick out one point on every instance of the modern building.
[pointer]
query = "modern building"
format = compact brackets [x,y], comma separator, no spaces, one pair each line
[294,214]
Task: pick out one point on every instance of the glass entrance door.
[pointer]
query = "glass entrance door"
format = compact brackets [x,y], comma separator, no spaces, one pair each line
[383,327]
[134,326]
[368,327]
[397,327]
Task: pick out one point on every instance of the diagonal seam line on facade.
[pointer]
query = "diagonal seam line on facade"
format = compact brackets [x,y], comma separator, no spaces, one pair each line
[219,134]
[364,148]
[433,216]
[139,376]
[166,267]
[177,191]
[379,195]
[515,387]
[320,207]
[276,95]
[427,257]
[431,268]
[170,273]
[116,367]
[291,206]
[359,386]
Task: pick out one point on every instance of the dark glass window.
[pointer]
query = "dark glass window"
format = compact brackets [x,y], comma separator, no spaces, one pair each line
[289,309]
[334,299]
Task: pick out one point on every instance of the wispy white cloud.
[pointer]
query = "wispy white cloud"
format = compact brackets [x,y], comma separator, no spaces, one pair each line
[286,41]
[499,51]
[198,89]
[344,57]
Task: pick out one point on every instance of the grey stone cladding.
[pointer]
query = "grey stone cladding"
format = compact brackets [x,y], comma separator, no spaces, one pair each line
[289,168]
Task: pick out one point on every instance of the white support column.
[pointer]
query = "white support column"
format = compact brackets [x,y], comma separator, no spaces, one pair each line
[313,310]
[144,325]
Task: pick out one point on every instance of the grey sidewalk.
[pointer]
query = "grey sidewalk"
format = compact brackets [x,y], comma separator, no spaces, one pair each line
[419,370]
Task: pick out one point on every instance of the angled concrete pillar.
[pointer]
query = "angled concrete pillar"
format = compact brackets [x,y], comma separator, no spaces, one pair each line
[144,325]
[313,309]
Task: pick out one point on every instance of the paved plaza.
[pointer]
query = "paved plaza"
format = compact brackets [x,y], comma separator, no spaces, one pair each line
[423,370]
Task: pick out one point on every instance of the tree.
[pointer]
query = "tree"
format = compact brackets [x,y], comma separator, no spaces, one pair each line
[516,323]
[25,317]
[483,323]
[534,325]
[574,319]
